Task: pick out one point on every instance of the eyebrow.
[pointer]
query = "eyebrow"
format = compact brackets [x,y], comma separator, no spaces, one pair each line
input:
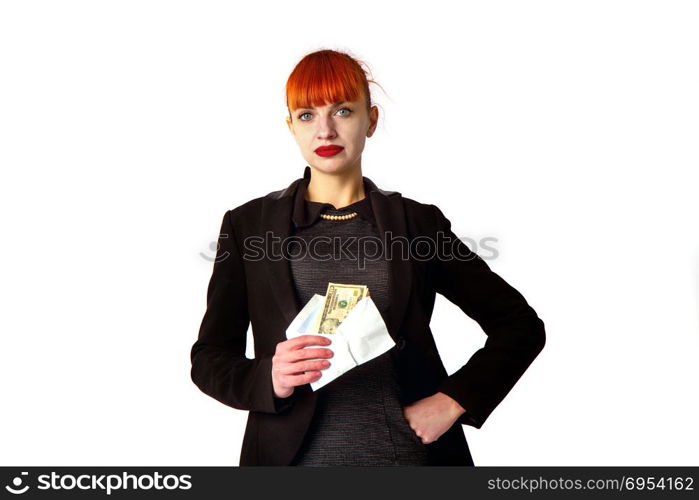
[333,105]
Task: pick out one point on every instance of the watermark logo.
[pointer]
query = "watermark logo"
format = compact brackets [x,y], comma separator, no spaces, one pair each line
[214,247]
[102,483]
[16,488]
[445,247]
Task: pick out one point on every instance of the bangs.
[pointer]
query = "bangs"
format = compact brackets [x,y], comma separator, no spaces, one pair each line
[325,77]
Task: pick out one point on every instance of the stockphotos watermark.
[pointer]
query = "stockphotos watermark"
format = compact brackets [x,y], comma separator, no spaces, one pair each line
[359,249]
[104,483]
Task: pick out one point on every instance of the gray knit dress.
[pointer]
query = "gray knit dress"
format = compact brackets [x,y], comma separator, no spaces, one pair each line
[358,419]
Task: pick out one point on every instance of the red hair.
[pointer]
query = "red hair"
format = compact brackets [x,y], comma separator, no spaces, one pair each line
[324,77]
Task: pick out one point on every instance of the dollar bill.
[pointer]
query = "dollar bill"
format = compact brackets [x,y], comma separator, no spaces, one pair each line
[340,298]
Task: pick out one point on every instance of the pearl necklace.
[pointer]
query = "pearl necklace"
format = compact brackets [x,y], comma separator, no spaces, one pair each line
[338,217]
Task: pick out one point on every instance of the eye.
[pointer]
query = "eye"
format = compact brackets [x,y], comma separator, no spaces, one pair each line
[301,116]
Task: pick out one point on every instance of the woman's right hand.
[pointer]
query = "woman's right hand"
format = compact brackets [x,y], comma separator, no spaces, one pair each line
[293,365]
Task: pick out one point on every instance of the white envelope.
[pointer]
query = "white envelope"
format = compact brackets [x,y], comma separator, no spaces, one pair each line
[361,336]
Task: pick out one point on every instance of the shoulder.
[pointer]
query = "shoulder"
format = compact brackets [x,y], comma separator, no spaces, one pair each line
[425,218]
[248,207]
[255,205]
[417,207]
[248,216]
[426,213]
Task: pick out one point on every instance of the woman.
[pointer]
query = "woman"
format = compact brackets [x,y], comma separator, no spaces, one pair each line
[276,251]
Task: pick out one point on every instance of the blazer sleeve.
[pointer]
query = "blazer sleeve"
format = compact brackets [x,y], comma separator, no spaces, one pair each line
[219,366]
[515,334]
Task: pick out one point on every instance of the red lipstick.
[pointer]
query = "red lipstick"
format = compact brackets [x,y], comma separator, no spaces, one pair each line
[331,150]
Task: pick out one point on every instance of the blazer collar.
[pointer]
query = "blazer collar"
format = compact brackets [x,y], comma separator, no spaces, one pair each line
[277,211]
[305,213]
[290,190]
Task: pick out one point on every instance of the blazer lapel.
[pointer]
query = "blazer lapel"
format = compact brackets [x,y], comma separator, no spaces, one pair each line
[390,220]
[276,218]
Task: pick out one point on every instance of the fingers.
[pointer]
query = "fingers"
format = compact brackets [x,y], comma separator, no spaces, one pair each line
[306,340]
[296,380]
[293,350]
[303,366]
[293,356]
[295,374]
[292,374]
[294,364]
[309,353]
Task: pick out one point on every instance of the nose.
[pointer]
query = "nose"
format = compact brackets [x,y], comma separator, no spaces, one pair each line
[326,128]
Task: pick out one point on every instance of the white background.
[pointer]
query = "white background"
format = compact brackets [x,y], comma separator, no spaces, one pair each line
[566,130]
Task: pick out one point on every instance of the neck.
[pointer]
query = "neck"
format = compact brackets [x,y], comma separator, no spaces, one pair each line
[339,190]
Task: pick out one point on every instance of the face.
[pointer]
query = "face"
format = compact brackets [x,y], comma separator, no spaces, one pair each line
[346,124]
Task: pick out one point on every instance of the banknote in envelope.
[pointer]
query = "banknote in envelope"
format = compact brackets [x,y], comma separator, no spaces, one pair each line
[340,299]
[348,316]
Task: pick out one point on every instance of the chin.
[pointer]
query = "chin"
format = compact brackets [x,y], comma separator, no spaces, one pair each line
[330,167]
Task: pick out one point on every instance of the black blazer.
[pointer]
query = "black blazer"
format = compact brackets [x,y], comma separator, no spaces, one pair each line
[248,286]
